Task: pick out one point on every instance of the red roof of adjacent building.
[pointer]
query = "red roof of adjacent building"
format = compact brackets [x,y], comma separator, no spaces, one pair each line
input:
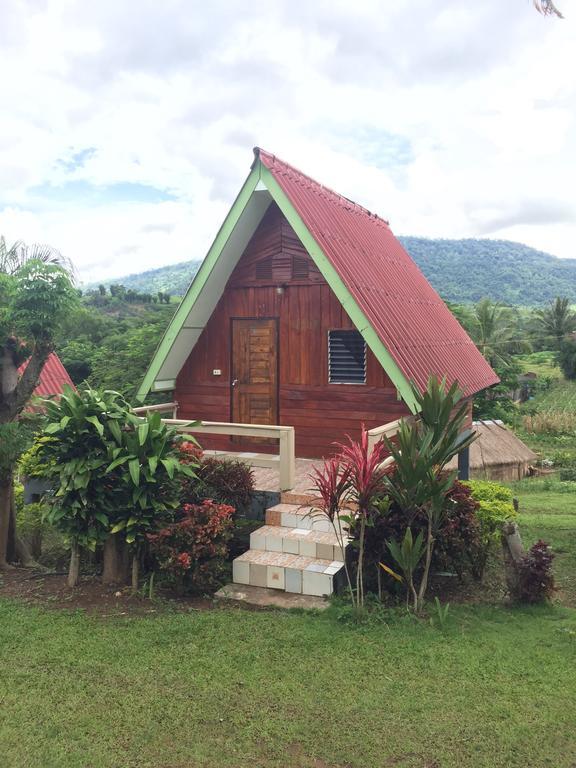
[52,379]
[410,318]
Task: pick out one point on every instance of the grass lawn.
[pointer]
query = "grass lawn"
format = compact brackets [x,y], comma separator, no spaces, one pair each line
[231,687]
[548,511]
[238,688]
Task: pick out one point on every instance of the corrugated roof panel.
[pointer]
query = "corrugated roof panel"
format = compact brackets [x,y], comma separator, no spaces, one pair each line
[52,379]
[410,318]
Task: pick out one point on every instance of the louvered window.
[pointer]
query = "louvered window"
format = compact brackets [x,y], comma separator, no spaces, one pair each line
[300,268]
[264,269]
[346,358]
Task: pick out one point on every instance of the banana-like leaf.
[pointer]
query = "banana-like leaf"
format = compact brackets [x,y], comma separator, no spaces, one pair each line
[143,432]
[134,468]
[93,420]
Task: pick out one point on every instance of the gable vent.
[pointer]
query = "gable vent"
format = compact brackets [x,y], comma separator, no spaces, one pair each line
[346,358]
[300,268]
[264,269]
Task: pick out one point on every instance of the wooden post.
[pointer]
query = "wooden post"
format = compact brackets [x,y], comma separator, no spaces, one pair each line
[287,459]
[372,440]
[464,464]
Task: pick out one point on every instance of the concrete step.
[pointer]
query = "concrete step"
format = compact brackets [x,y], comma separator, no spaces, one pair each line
[292,573]
[295,516]
[291,497]
[297,541]
[270,598]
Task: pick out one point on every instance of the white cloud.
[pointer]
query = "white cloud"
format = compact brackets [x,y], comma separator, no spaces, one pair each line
[448,119]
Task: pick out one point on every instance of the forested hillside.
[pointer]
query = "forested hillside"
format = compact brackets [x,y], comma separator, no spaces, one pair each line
[462,271]
[467,270]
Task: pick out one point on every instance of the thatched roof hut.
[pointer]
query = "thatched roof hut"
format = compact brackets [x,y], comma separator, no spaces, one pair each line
[497,453]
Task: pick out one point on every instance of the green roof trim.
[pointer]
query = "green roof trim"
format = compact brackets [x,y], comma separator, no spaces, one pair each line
[342,293]
[260,173]
[198,282]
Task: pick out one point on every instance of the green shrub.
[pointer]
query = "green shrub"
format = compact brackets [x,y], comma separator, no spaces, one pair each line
[226,481]
[535,576]
[495,507]
[487,490]
[192,551]
[568,474]
[562,459]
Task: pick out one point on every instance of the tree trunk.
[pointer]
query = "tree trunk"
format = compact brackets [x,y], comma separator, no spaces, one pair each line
[74,570]
[115,560]
[360,572]
[135,571]
[513,551]
[11,554]
[424,582]
[5,512]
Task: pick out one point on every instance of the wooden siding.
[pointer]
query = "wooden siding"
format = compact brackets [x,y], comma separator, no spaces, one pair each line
[306,310]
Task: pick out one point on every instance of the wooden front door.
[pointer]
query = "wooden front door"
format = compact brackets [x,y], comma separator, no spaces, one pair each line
[254,371]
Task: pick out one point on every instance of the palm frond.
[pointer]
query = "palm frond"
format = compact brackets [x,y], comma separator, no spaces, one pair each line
[547,8]
[13,257]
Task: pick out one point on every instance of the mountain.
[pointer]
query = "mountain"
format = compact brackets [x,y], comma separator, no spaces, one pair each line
[462,271]
[465,271]
[173,279]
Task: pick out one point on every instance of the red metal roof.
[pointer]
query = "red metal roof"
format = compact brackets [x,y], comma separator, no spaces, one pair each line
[410,318]
[52,379]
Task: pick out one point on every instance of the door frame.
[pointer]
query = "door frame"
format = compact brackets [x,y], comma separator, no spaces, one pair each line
[276,321]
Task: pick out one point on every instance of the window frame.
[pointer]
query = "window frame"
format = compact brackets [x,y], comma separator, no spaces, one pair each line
[348,383]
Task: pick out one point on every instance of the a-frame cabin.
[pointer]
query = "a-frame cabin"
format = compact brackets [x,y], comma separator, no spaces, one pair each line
[307,312]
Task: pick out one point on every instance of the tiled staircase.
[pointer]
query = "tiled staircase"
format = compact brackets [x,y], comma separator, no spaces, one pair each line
[296,551]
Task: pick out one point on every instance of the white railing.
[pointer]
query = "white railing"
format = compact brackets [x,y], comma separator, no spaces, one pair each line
[160,408]
[386,430]
[285,461]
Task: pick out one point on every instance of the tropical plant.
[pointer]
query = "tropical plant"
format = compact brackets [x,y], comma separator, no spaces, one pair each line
[192,550]
[407,555]
[457,541]
[73,453]
[332,482]
[495,508]
[366,485]
[149,491]
[493,328]
[567,358]
[14,257]
[421,449]
[547,8]
[557,320]
[114,475]
[227,481]
[34,299]
[535,579]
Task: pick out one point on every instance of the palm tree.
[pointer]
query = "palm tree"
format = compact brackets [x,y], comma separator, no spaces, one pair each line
[18,254]
[492,329]
[547,8]
[557,320]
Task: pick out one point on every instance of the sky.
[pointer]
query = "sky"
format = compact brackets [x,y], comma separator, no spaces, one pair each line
[128,125]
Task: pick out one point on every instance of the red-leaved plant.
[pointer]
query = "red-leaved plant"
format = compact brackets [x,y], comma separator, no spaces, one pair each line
[366,486]
[332,481]
[535,576]
[193,550]
[354,476]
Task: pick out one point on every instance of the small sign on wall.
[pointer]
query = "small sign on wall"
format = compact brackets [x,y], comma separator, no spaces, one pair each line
[216,372]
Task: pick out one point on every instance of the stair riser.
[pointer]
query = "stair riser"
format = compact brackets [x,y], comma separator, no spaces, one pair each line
[307,582]
[293,546]
[309,523]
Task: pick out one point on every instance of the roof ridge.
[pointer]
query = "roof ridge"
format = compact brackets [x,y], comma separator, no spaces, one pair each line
[342,199]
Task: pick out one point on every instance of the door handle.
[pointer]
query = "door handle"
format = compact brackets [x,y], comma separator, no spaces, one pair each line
[234,382]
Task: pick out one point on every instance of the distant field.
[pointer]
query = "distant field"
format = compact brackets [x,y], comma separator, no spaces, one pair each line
[561,396]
